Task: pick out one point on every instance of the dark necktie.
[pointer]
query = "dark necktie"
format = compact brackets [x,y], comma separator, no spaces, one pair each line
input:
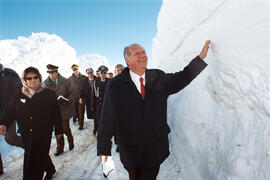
[142,87]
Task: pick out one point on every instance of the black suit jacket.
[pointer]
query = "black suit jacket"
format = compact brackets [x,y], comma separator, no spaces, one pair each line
[141,125]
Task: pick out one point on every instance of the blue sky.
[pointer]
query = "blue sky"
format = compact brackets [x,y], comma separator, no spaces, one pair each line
[102,27]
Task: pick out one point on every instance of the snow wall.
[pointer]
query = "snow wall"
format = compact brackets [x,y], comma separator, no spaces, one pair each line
[221,122]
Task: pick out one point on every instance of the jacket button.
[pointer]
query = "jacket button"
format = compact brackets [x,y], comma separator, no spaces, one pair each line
[30,130]
[31,117]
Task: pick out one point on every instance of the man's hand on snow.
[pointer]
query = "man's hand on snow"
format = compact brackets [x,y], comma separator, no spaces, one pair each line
[3,130]
[204,51]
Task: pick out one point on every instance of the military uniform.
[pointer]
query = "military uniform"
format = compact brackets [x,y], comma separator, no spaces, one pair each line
[99,88]
[63,87]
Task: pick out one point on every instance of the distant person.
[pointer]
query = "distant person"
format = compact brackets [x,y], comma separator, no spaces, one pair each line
[110,75]
[99,88]
[9,82]
[36,110]
[77,79]
[87,95]
[135,105]
[64,91]
[97,74]
[118,69]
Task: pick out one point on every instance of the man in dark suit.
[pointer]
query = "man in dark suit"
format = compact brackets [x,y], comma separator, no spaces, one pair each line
[9,82]
[135,110]
[99,88]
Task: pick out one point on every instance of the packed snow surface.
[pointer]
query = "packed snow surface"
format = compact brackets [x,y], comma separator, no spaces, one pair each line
[221,122]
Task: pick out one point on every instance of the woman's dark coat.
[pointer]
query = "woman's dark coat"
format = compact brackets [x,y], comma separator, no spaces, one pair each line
[141,125]
[36,118]
[88,95]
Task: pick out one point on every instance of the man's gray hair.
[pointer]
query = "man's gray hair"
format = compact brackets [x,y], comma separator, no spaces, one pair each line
[89,69]
[126,50]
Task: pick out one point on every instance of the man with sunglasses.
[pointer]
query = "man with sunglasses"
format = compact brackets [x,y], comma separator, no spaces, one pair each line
[9,82]
[64,91]
[87,96]
[77,79]
[99,89]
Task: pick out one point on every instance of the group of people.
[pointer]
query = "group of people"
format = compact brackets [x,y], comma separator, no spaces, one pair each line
[41,107]
[131,106]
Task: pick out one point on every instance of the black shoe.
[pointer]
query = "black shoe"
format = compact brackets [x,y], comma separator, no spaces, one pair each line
[71,146]
[1,171]
[58,153]
[49,175]
[80,128]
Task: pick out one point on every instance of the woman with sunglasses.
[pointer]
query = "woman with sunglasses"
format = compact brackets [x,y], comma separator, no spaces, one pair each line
[37,113]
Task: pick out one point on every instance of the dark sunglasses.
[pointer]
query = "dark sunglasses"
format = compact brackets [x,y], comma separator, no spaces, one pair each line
[75,69]
[90,73]
[30,78]
[102,73]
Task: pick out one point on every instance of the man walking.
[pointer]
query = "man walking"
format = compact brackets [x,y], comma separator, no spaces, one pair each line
[99,88]
[135,110]
[9,82]
[64,92]
[76,80]
[87,95]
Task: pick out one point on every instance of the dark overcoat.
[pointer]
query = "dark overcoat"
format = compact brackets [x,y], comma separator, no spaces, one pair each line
[9,82]
[141,125]
[36,118]
[88,95]
[100,87]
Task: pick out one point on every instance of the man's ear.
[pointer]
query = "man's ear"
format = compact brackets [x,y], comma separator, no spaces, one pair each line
[127,61]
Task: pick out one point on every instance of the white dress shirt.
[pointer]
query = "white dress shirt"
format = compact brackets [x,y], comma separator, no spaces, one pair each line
[136,79]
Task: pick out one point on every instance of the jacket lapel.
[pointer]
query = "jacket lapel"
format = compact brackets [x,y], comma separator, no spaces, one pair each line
[125,76]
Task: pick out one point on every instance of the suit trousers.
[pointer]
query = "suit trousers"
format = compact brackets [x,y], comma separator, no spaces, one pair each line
[81,108]
[143,173]
[67,132]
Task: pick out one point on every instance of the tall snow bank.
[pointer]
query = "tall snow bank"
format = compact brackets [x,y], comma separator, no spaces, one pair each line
[221,122]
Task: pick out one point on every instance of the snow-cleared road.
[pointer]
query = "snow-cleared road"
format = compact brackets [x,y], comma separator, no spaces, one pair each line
[82,162]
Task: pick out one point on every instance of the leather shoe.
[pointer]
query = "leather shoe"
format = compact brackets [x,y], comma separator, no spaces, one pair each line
[58,153]
[71,146]
[80,128]
[49,175]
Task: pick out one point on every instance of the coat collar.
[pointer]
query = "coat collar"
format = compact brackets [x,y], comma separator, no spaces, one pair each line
[59,80]
[149,77]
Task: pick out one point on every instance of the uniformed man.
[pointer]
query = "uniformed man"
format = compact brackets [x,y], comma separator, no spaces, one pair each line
[64,91]
[99,87]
